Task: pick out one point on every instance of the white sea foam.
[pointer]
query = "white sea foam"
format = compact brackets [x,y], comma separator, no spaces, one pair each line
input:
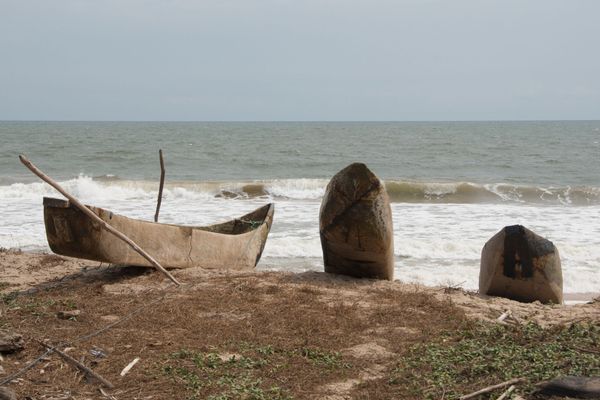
[305,189]
[435,244]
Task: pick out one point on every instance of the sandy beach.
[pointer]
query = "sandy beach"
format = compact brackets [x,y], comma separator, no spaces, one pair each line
[318,335]
[450,147]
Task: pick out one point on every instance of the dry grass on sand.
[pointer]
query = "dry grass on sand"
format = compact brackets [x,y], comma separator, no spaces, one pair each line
[261,335]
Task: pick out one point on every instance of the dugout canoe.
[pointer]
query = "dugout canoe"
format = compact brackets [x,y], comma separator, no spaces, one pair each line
[518,264]
[355,223]
[235,244]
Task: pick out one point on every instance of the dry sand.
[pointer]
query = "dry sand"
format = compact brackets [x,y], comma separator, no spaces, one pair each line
[369,322]
[21,271]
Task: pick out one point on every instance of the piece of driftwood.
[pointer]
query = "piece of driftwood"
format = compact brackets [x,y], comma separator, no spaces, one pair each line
[68,314]
[97,219]
[492,388]
[507,393]
[580,387]
[504,315]
[586,350]
[10,342]
[129,366]
[7,394]
[20,372]
[79,365]
[107,395]
[160,187]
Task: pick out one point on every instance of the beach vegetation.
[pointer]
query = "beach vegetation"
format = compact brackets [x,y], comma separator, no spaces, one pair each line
[220,374]
[455,362]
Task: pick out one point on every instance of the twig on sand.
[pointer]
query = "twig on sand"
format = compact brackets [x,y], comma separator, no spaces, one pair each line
[129,366]
[507,317]
[162,183]
[96,218]
[453,287]
[107,395]
[79,365]
[20,372]
[504,315]
[586,350]
[492,388]
[507,393]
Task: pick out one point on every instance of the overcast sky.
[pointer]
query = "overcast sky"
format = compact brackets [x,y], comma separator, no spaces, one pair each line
[299,60]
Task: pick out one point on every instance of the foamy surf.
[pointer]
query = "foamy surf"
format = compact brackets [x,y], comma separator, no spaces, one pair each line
[399,191]
[438,239]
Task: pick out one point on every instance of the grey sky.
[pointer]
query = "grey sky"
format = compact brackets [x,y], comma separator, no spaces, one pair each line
[299,59]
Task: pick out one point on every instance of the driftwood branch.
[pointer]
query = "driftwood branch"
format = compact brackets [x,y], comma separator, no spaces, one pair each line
[586,350]
[95,218]
[162,183]
[129,366]
[492,388]
[20,372]
[504,315]
[79,365]
[507,393]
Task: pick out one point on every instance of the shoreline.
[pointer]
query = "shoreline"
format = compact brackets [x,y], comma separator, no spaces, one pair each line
[570,298]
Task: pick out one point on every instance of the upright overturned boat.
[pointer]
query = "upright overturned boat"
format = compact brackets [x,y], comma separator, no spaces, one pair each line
[355,223]
[518,264]
[235,244]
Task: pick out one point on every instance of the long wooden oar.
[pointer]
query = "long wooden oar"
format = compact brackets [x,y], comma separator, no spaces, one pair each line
[96,218]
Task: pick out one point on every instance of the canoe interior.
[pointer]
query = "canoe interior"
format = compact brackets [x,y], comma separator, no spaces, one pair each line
[234,244]
[237,226]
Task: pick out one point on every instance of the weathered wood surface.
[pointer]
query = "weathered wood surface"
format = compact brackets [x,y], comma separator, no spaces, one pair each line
[235,244]
[579,387]
[7,394]
[79,365]
[104,224]
[355,223]
[10,341]
[518,264]
[492,388]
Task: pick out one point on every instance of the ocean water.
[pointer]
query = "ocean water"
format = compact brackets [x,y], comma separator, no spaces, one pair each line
[453,185]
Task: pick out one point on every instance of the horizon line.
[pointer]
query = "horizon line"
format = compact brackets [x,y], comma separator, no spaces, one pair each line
[298,121]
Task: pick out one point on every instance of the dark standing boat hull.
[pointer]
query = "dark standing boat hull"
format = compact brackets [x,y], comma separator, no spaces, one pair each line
[355,225]
[520,265]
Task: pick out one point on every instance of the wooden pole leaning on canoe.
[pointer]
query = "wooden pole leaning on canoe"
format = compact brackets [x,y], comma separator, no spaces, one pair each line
[97,219]
[162,184]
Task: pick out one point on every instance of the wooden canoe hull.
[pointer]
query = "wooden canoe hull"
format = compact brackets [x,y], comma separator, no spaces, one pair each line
[235,244]
[518,264]
[355,223]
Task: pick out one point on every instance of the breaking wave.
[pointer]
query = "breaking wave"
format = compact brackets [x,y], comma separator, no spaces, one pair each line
[467,193]
[399,191]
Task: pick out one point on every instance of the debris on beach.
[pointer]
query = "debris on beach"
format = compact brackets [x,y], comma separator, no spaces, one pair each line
[7,394]
[10,342]
[580,387]
[68,314]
